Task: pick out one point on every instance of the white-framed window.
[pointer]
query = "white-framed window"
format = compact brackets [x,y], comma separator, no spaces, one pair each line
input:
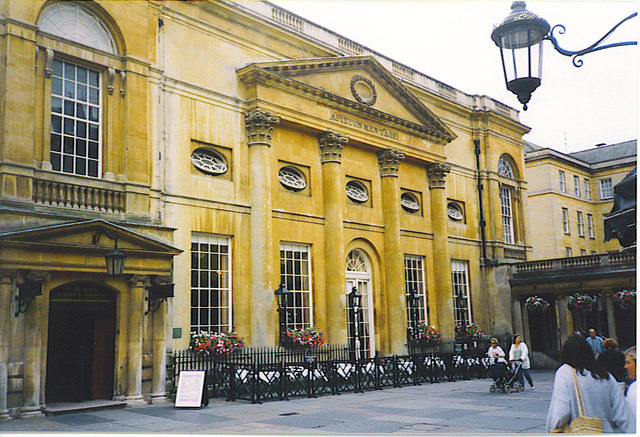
[587,189]
[295,273]
[504,168]
[460,286]
[583,252]
[563,187]
[507,215]
[580,222]
[565,220]
[590,226]
[76,128]
[576,185]
[567,251]
[210,283]
[606,189]
[414,280]
[593,252]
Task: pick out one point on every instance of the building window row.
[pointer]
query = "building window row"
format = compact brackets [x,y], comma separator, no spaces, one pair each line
[580,223]
[579,189]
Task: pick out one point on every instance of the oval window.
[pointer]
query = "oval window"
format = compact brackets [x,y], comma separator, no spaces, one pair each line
[409,203]
[208,161]
[454,211]
[292,178]
[357,192]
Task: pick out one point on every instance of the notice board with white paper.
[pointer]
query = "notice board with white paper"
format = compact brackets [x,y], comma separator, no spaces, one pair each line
[190,387]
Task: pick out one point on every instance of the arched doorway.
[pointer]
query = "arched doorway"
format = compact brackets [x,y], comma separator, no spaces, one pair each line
[358,274]
[81,343]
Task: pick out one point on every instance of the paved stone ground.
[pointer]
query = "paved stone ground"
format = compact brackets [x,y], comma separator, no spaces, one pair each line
[461,407]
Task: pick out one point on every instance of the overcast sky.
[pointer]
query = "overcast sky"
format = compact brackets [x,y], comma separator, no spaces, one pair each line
[573,109]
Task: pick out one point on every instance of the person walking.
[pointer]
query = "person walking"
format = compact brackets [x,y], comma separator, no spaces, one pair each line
[631,386]
[600,394]
[520,352]
[612,359]
[595,342]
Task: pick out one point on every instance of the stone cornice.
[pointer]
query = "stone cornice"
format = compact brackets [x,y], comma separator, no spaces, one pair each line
[253,74]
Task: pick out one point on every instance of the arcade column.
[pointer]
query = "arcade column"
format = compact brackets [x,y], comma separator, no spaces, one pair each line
[137,285]
[6,284]
[260,125]
[436,174]
[389,163]
[331,145]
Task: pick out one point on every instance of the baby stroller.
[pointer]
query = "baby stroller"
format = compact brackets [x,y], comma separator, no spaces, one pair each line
[505,378]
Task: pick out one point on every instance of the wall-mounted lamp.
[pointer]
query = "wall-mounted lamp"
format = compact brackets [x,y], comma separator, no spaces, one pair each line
[27,292]
[157,294]
[114,259]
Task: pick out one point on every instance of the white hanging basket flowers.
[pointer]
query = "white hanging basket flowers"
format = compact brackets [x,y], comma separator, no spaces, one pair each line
[536,304]
[582,302]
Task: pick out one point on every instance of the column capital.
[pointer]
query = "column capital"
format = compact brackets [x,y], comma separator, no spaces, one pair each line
[437,174]
[138,281]
[38,275]
[389,161]
[259,125]
[331,144]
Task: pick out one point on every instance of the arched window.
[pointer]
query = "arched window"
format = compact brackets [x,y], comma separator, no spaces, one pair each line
[76,90]
[504,168]
[76,23]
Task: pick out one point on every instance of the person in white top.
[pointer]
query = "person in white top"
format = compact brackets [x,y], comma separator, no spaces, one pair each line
[630,390]
[495,353]
[520,352]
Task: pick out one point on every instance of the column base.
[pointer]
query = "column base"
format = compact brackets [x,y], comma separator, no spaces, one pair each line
[135,401]
[159,399]
[4,415]
[31,411]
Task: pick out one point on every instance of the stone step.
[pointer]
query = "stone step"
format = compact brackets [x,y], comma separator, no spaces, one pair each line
[58,408]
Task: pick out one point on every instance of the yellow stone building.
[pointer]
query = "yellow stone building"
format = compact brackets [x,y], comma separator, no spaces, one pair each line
[226,148]
[569,196]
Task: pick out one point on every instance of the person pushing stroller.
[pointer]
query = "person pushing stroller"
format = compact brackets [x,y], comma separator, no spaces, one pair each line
[497,363]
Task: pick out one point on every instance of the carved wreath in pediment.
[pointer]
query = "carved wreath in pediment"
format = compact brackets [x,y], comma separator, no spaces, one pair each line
[363,90]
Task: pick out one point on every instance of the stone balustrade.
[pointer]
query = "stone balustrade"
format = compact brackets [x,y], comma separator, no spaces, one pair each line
[84,197]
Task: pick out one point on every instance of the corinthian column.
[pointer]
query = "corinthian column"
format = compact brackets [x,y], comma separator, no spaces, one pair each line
[134,342]
[442,299]
[259,125]
[6,284]
[334,318]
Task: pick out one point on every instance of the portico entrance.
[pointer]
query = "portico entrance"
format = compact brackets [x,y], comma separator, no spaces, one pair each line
[358,274]
[81,343]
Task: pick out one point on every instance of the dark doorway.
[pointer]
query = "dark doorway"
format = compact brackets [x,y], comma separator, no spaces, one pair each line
[81,344]
[542,326]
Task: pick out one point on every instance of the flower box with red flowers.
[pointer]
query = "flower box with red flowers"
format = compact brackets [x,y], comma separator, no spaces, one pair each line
[303,338]
[626,299]
[582,302]
[425,335]
[471,330]
[216,343]
[536,304]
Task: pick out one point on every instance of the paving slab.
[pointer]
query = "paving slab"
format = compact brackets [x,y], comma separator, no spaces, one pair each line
[446,408]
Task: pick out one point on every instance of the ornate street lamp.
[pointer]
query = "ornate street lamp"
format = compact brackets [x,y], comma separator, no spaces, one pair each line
[520,38]
[354,300]
[282,297]
[413,302]
[115,258]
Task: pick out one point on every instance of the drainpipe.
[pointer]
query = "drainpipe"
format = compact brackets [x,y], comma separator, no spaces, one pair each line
[486,261]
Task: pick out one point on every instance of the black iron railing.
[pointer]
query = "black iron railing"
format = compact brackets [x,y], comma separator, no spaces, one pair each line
[258,374]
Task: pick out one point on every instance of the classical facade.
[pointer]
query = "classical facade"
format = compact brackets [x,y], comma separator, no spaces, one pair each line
[226,148]
[569,197]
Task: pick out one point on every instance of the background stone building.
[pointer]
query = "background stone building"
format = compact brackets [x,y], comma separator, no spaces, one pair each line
[227,148]
[569,197]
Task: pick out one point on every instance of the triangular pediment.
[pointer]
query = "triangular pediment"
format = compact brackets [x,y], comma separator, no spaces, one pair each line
[359,83]
[89,235]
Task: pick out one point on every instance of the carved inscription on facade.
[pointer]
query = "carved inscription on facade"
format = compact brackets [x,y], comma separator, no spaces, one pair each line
[367,127]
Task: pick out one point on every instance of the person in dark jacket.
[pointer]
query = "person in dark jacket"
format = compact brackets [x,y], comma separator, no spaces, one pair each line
[612,359]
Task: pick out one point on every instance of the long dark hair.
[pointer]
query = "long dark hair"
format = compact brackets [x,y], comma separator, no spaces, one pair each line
[577,353]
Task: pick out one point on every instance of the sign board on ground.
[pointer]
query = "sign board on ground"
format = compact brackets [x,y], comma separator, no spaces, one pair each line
[190,386]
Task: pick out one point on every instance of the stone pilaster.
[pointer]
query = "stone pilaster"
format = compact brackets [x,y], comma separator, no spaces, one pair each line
[31,405]
[333,300]
[134,342]
[442,298]
[389,162]
[517,316]
[6,285]
[260,125]
[611,315]
[563,319]
[159,370]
